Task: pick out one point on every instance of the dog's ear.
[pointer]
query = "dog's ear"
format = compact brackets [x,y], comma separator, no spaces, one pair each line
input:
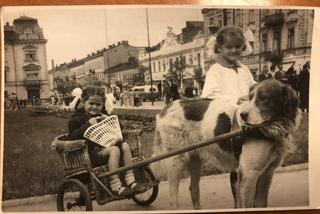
[290,102]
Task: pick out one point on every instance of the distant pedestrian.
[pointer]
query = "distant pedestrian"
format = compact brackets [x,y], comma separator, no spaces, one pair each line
[303,86]
[281,75]
[52,100]
[265,74]
[174,90]
[15,102]
[292,78]
[273,71]
[166,91]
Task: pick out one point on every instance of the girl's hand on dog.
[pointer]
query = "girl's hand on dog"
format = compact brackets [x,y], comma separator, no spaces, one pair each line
[254,131]
[247,129]
[243,99]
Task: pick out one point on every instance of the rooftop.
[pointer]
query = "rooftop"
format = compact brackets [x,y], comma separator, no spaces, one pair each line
[25,18]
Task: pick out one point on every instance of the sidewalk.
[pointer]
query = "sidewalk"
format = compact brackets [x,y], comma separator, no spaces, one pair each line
[46,198]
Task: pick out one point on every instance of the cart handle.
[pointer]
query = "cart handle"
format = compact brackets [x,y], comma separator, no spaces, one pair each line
[216,139]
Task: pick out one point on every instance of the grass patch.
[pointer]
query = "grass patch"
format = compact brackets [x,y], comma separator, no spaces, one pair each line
[32,168]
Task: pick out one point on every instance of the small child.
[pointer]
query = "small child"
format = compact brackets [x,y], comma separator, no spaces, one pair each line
[228,77]
[91,112]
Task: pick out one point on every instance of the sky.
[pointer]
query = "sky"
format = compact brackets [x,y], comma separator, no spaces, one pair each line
[74,31]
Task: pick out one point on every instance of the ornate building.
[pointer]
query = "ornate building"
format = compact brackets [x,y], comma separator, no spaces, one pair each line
[281,36]
[25,59]
[187,47]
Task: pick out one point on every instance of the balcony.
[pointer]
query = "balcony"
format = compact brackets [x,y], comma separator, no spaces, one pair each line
[274,20]
[292,16]
[273,56]
[32,82]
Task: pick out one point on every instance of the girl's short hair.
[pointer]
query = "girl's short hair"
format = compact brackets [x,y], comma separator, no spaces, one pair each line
[92,90]
[229,31]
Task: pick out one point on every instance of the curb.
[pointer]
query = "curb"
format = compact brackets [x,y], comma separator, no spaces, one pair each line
[296,167]
[45,198]
[27,201]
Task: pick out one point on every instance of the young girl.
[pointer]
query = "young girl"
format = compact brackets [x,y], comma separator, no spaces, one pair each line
[228,77]
[91,112]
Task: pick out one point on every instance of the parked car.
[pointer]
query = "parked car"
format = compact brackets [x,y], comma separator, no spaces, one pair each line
[145,94]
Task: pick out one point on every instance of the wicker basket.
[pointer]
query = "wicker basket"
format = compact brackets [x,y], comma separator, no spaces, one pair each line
[105,133]
[74,155]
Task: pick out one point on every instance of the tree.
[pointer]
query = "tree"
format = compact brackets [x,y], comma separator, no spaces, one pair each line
[198,75]
[65,86]
[176,70]
[138,78]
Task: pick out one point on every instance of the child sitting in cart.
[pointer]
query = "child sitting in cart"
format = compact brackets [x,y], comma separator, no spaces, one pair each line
[92,112]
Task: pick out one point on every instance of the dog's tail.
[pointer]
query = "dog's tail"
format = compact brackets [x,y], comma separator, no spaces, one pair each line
[159,167]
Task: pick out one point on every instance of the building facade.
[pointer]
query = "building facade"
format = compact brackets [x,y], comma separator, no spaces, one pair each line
[281,36]
[26,72]
[187,46]
[99,66]
[123,74]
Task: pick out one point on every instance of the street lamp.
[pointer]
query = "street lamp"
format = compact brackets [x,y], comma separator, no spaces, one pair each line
[149,50]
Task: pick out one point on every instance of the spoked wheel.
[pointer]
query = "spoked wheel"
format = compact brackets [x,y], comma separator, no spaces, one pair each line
[149,196]
[73,195]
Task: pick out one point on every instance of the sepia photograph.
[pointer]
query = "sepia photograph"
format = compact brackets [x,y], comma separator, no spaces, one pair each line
[155,108]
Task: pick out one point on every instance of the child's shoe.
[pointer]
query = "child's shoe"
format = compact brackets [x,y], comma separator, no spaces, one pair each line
[122,191]
[135,187]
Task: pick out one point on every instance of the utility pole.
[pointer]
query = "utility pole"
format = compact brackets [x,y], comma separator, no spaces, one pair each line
[147,17]
[259,28]
[106,26]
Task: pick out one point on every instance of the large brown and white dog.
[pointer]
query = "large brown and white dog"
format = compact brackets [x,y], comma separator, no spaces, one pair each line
[252,158]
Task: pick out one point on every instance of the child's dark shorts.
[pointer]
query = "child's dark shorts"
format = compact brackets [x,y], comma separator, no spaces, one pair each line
[99,156]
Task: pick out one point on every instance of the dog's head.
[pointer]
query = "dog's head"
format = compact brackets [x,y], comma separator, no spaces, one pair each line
[270,100]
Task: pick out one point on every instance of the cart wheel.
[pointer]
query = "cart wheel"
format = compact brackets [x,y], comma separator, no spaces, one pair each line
[73,195]
[149,196]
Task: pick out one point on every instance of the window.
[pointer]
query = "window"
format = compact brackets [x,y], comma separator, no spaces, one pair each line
[170,63]
[159,66]
[6,73]
[30,55]
[211,20]
[190,60]
[251,15]
[239,18]
[154,67]
[220,24]
[229,18]
[264,13]
[278,11]
[264,40]
[164,65]
[290,38]
[198,59]
[32,75]
[276,40]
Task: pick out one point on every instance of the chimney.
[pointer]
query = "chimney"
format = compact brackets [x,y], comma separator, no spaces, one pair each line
[119,43]
[52,64]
